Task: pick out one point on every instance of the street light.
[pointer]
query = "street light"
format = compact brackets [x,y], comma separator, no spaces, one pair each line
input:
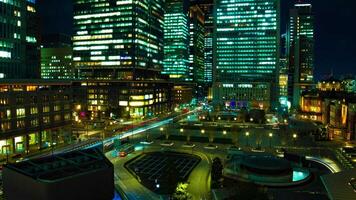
[270,139]
[202,131]
[224,132]
[247,134]
[295,138]
[181,130]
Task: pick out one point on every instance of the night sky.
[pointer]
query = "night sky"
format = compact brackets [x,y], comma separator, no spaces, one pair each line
[335,30]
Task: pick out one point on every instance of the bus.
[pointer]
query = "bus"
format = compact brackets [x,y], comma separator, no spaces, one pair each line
[126,149]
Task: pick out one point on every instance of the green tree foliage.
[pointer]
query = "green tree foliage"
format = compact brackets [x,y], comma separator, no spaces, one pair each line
[181,192]
[216,170]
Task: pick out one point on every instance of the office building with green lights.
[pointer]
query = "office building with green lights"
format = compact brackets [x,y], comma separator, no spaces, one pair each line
[118,50]
[56,57]
[19,47]
[120,40]
[300,50]
[246,53]
[207,6]
[196,44]
[176,41]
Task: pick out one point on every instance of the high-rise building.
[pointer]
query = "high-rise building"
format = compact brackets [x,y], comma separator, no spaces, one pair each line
[246,52]
[283,75]
[207,6]
[300,50]
[120,40]
[176,41]
[196,44]
[56,57]
[19,47]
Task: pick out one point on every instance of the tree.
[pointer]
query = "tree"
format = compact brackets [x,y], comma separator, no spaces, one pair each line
[216,170]
[181,192]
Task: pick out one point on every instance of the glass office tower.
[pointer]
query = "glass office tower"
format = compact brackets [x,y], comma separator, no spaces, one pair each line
[176,41]
[246,52]
[19,47]
[300,51]
[56,57]
[120,40]
[196,44]
[207,6]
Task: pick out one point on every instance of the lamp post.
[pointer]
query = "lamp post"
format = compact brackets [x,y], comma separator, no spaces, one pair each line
[270,139]
[247,134]
[161,129]
[202,131]
[224,132]
[295,138]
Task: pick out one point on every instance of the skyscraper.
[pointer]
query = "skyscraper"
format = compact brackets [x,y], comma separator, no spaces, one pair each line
[207,6]
[300,50]
[196,44]
[19,47]
[283,74]
[120,40]
[56,57]
[246,52]
[176,41]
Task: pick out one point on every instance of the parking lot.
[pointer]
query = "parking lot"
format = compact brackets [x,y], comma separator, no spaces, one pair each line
[161,171]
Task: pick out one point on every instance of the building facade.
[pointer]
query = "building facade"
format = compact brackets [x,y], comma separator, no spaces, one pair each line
[176,41]
[246,47]
[19,43]
[123,99]
[121,40]
[196,44]
[300,50]
[207,6]
[34,115]
[56,57]
[334,109]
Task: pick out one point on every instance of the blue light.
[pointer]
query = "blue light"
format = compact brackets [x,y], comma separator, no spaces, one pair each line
[298,175]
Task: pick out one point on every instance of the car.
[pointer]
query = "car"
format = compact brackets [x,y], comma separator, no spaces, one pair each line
[211,146]
[258,150]
[280,150]
[167,144]
[188,145]
[234,148]
[146,142]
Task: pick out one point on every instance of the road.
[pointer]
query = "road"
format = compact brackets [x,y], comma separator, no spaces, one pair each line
[127,182]
[199,179]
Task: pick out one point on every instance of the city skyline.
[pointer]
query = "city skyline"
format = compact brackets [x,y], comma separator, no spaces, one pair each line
[177,99]
[331,31]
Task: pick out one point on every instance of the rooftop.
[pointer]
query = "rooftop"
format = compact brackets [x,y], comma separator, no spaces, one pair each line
[62,166]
